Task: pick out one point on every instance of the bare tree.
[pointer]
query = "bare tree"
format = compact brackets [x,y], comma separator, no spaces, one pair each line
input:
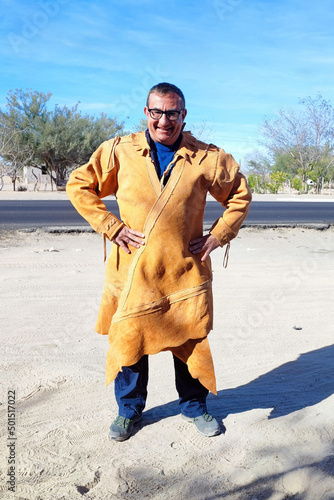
[258,163]
[142,125]
[201,131]
[307,136]
[13,155]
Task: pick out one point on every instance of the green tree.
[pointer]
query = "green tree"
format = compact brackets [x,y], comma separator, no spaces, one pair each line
[256,183]
[57,140]
[296,184]
[277,180]
[69,138]
[284,162]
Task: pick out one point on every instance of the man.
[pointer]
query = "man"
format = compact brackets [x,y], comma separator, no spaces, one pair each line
[157,293]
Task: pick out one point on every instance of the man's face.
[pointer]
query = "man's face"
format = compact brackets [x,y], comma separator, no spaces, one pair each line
[165,131]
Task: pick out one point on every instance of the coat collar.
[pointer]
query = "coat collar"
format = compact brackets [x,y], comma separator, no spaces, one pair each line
[188,146]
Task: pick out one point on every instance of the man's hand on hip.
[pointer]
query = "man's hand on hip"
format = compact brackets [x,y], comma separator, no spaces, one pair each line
[127,236]
[204,244]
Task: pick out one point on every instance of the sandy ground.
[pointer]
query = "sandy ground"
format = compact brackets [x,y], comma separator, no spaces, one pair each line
[273,349]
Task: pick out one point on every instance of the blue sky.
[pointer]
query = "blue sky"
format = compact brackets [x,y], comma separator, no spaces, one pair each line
[236,61]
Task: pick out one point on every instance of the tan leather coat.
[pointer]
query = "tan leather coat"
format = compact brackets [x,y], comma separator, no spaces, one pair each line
[159,297]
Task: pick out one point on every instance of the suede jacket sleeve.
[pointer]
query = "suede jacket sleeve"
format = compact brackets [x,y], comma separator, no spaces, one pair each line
[93,181]
[230,188]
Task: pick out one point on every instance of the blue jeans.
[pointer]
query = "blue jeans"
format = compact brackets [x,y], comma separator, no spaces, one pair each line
[131,389]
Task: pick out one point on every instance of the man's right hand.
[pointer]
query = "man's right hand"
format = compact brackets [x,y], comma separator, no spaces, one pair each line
[127,236]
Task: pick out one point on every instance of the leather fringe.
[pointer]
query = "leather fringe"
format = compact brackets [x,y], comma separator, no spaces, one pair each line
[227,252]
[104,247]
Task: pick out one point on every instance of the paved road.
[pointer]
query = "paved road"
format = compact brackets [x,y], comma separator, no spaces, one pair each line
[35,214]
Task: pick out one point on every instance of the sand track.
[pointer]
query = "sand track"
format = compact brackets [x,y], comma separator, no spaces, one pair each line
[273,349]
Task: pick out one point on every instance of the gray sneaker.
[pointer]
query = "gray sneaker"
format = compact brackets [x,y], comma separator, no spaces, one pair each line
[205,424]
[121,428]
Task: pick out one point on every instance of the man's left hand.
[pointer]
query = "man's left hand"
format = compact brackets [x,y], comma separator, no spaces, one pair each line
[204,244]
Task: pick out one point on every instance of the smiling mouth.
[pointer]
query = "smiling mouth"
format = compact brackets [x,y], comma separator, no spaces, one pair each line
[165,129]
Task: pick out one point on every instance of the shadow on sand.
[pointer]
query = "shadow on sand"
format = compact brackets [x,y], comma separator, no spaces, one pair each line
[290,387]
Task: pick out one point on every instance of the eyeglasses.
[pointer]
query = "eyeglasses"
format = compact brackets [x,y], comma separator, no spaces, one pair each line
[171,114]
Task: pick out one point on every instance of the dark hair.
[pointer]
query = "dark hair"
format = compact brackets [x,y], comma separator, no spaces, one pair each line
[164,89]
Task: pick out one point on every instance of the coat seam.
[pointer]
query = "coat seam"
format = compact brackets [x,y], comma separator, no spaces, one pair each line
[142,249]
[167,300]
